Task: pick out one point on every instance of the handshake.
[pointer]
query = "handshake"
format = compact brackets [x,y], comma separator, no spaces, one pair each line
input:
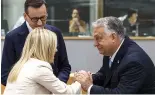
[84,78]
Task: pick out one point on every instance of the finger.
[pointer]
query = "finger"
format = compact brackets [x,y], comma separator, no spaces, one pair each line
[82,71]
[89,72]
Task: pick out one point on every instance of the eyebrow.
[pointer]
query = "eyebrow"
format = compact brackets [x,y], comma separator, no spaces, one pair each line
[40,16]
[98,34]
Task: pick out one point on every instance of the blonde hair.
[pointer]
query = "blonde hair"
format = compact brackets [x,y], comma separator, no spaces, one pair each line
[40,44]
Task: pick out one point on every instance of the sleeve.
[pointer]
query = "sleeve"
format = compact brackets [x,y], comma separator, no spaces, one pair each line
[99,77]
[131,81]
[88,92]
[8,59]
[63,63]
[45,77]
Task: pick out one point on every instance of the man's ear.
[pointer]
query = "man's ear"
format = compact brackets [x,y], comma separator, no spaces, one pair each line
[25,15]
[114,36]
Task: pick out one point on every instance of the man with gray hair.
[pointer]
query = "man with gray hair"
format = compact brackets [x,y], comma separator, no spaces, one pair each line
[126,67]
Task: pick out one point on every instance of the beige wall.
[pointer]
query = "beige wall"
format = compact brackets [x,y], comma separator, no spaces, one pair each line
[83,55]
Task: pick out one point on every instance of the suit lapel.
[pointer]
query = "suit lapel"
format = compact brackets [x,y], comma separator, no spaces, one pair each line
[24,29]
[117,60]
[107,69]
[22,34]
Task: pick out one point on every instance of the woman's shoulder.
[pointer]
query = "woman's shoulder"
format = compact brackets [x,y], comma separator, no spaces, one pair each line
[34,67]
[38,63]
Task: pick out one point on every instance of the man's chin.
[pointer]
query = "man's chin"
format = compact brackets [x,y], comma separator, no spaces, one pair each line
[101,52]
[38,27]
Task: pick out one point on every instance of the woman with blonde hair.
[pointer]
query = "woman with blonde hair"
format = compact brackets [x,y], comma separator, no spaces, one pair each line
[33,74]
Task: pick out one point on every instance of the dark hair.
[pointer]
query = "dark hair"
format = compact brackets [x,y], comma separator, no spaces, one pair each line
[33,3]
[131,11]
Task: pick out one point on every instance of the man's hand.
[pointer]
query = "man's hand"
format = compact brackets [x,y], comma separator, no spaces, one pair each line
[84,78]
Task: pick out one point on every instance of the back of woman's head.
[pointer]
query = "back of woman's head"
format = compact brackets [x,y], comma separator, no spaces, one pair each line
[40,44]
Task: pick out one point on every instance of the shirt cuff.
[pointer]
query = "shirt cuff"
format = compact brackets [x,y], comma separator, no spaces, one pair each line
[88,92]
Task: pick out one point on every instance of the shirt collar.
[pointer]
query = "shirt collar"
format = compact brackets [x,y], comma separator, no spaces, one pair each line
[113,56]
[28,26]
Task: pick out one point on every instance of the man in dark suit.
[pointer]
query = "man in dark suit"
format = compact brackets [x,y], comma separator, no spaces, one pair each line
[35,16]
[131,23]
[126,67]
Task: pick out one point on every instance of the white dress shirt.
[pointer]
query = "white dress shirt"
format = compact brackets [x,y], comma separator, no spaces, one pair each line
[28,26]
[113,56]
[36,77]
[111,59]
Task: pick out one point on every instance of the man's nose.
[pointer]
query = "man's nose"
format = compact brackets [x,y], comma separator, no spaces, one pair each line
[95,43]
[39,22]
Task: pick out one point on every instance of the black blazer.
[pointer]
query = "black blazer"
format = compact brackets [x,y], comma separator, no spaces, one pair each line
[14,43]
[132,71]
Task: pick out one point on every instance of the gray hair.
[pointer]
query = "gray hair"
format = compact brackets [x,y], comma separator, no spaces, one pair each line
[110,24]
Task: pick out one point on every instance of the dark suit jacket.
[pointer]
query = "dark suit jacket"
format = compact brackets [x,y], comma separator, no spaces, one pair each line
[132,71]
[14,42]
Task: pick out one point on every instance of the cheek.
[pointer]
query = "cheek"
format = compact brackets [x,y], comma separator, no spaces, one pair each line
[104,44]
[32,25]
[44,22]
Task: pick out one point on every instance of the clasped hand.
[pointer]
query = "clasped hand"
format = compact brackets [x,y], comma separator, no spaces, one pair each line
[84,78]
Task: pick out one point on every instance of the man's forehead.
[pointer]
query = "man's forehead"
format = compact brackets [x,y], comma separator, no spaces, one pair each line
[98,34]
[98,31]
[37,11]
